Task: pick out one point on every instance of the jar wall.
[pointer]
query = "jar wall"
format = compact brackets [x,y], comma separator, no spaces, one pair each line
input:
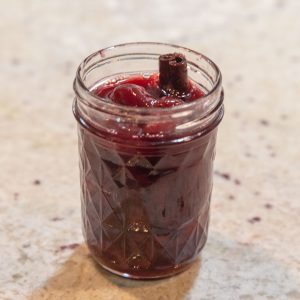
[145,216]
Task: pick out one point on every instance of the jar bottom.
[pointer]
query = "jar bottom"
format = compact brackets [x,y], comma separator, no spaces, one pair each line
[146,274]
[151,276]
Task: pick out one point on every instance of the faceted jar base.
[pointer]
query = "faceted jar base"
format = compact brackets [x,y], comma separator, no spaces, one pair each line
[151,275]
[145,274]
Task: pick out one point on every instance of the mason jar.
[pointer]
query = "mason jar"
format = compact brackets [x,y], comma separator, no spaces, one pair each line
[146,173]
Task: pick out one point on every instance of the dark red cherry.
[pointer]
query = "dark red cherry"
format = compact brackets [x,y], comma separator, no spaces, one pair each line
[131,95]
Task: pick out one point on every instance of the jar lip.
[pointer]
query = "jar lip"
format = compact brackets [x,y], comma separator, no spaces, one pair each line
[98,103]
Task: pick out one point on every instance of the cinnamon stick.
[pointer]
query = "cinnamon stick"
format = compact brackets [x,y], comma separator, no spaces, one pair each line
[173,76]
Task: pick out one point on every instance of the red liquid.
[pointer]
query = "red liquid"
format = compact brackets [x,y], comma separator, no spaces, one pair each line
[145,210]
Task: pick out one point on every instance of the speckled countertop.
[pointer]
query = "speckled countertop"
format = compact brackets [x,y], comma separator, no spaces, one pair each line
[254,241]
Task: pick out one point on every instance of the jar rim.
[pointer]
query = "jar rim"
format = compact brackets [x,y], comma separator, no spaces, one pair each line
[100,104]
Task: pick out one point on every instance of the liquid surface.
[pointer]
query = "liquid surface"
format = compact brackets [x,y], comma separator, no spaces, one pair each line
[140,91]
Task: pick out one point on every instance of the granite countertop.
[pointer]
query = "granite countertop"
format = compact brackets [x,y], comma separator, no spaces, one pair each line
[254,239]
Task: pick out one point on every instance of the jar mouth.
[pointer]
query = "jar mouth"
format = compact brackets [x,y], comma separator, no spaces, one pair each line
[88,98]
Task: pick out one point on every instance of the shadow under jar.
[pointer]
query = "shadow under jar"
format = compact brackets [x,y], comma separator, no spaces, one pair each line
[146,173]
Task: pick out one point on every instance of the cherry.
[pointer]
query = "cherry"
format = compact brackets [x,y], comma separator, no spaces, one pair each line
[131,95]
[103,91]
[153,86]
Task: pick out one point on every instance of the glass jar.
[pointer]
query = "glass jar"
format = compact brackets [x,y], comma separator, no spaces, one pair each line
[146,173]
